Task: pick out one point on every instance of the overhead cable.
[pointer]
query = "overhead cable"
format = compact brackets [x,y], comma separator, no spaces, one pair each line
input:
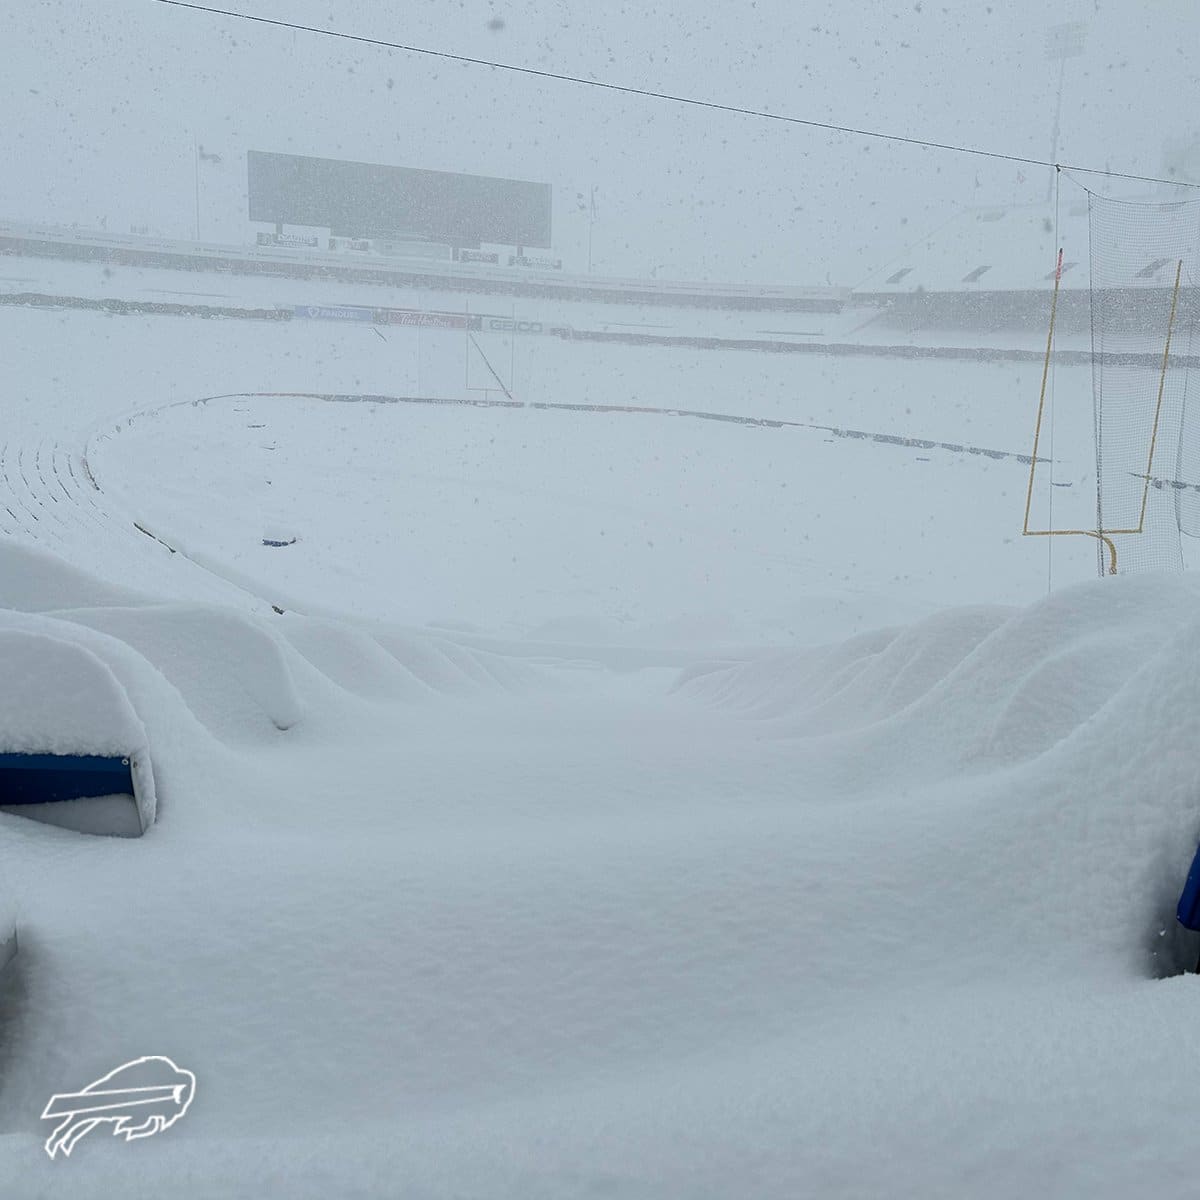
[649,93]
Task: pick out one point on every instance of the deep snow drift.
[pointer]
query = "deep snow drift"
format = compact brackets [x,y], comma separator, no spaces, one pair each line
[863,888]
[821,920]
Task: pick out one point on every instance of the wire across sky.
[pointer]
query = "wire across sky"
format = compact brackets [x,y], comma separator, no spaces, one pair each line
[650,94]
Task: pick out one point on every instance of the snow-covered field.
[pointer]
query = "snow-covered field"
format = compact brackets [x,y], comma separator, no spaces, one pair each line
[622,804]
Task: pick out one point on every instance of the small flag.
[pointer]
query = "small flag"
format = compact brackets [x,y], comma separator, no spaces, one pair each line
[205,157]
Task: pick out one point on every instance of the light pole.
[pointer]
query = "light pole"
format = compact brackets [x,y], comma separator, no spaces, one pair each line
[591,224]
[200,155]
[590,209]
[196,174]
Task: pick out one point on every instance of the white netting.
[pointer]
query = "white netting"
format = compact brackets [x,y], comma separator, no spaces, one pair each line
[1143,309]
[1186,484]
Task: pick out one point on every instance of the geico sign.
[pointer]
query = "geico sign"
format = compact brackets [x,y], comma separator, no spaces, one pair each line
[515,326]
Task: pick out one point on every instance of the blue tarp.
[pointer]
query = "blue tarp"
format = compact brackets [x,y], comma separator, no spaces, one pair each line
[41,778]
[1188,912]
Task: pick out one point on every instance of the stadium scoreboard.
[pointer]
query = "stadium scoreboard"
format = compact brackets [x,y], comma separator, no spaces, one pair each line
[367,200]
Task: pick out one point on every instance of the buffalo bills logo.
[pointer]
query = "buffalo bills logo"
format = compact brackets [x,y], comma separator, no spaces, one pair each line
[138,1099]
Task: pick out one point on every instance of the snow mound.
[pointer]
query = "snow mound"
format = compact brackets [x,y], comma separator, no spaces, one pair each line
[240,677]
[391,664]
[33,580]
[1050,759]
[444,666]
[234,671]
[352,659]
[61,698]
[854,683]
[999,685]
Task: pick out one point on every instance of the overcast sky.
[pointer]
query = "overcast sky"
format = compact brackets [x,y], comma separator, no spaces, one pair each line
[103,100]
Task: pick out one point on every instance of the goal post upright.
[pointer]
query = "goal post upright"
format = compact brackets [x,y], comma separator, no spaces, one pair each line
[1037,429]
[1037,437]
[1162,379]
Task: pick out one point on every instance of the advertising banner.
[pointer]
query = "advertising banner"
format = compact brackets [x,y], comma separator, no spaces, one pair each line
[288,239]
[427,320]
[534,260]
[332,312]
[490,257]
[389,316]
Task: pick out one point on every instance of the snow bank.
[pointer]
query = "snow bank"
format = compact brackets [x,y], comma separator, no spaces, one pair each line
[1055,752]
[34,580]
[241,676]
[59,698]
[233,670]
[444,666]
[849,684]
[353,659]
[996,684]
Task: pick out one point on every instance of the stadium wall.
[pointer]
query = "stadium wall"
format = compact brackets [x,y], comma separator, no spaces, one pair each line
[436,276]
[1026,311]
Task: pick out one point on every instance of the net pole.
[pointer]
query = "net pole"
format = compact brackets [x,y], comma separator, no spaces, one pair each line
[1037,430]
[1162,379]
[1053,395]
[1097,380]
[1183,415]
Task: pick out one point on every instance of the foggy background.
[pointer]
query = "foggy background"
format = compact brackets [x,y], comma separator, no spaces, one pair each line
[106,101]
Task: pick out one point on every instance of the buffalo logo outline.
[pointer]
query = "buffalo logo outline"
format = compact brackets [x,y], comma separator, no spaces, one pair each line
[139,1099]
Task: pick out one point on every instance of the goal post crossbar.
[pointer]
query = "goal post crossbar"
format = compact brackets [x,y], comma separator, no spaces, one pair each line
[1104,535]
